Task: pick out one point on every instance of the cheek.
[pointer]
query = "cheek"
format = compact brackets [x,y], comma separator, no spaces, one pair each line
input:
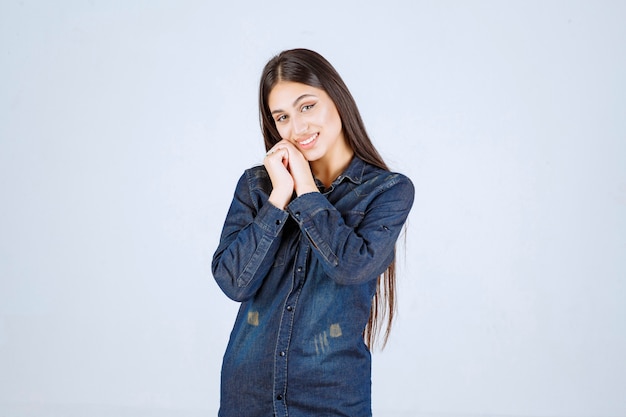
[283,131]
[330,118]
[333,120]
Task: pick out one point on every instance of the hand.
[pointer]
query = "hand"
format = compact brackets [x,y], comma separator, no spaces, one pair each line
[299,169]
[276,162]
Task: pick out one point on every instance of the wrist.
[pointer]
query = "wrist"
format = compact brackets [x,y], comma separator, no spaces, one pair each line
[306,188]
[279,200]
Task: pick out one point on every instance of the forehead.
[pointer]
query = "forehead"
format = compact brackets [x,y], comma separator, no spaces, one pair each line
[284,94]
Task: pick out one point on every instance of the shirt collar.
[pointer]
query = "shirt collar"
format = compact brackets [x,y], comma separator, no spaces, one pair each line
[354,173]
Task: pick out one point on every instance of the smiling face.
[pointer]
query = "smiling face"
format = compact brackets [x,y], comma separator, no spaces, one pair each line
[307,117]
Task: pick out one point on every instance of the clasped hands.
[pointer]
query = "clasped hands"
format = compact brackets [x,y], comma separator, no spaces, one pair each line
[289,171]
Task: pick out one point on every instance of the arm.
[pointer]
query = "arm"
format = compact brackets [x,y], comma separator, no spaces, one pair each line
[351,255]
[248,243]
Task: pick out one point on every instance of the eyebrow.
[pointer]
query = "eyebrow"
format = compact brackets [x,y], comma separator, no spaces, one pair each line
[303,96]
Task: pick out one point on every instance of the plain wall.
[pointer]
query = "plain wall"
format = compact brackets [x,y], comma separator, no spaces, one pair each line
[124,126]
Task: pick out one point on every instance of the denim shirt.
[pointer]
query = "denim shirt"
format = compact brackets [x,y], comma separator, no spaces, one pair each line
[305,277]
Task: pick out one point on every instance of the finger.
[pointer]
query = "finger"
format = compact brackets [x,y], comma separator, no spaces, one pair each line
[285,157]
[273,150]
[279,155]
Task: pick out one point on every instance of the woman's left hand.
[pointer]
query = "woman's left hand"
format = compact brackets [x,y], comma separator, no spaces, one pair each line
[300,170]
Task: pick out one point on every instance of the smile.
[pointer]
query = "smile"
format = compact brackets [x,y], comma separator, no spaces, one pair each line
[309,140]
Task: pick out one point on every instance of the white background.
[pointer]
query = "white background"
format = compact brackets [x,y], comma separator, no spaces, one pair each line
[124,126]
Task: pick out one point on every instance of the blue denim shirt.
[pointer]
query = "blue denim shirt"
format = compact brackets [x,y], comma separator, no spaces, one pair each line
[305,277]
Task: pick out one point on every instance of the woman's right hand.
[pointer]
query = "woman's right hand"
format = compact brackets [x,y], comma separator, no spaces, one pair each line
[276,162]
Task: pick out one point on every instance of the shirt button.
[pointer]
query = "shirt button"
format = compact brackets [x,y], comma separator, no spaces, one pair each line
[297,214]
[277,222]
[299,269]
[279,397]
[289,308]
[282,353]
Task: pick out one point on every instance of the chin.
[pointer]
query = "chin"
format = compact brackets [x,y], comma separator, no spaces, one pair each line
[312,157]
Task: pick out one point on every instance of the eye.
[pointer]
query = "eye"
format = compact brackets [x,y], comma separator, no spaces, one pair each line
[281,118]
[307,107]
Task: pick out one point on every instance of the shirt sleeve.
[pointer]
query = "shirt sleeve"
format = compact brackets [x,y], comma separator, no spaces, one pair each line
[248,243]
[355,254]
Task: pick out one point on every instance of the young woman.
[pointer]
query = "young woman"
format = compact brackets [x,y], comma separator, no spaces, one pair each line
[308,249]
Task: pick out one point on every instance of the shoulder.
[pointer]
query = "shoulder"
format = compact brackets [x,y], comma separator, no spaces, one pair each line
[255,178]
[383,179]
[256,172]
[253,187]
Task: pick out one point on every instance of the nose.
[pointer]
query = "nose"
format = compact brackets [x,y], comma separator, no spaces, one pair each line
[299,125]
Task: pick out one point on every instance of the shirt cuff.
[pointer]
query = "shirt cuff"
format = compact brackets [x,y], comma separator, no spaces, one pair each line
[305,205]
[271,219]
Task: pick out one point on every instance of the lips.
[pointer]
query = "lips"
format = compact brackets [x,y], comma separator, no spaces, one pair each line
[307,141]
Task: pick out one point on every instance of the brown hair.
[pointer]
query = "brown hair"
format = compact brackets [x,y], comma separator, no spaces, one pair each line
[309,67]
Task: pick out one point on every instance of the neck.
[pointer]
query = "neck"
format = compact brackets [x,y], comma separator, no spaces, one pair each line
[328,168]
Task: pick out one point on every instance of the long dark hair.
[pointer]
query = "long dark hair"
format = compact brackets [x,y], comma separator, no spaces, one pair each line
[308,67]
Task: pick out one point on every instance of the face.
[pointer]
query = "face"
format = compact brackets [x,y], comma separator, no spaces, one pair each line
[307,117]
